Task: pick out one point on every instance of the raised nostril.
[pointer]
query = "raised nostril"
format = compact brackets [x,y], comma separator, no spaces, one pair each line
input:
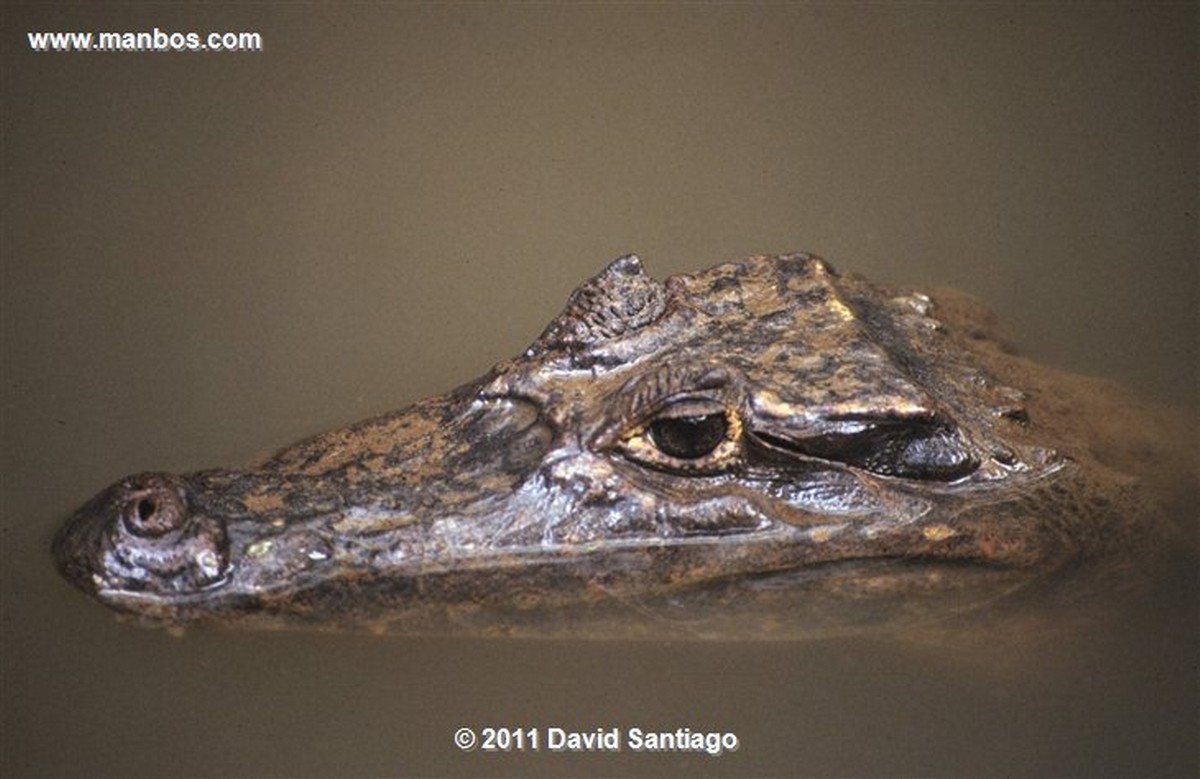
[153,505]
[146,509]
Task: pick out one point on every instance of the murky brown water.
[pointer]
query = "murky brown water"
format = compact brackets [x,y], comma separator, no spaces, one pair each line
[208,256]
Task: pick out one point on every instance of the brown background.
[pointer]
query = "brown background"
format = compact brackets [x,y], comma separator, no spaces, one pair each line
[206,256]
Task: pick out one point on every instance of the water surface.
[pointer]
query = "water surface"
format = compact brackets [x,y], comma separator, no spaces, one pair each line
[206,257]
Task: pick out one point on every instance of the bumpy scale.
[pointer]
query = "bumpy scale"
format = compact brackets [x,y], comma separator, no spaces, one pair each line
[763,448]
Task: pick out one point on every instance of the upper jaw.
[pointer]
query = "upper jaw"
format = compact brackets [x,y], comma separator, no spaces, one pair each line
[249,538]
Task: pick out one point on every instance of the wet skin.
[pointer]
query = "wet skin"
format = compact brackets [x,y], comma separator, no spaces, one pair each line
[765,446]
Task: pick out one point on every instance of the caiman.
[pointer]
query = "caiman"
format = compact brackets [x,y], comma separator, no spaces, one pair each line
[765,448]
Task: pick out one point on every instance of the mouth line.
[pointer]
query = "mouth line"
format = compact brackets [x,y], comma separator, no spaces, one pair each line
[860,566]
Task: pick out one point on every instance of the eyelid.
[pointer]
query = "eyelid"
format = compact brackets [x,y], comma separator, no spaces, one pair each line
[686,407]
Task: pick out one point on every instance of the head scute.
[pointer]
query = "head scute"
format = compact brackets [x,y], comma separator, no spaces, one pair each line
[615,302]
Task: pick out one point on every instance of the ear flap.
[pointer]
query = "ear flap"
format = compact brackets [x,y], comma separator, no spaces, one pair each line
[619,299]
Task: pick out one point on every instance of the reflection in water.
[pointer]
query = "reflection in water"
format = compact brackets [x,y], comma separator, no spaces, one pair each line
[877,667]
[205,255]
[1042,691]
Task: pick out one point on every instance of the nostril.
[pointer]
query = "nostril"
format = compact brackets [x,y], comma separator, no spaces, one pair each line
[153,506]
[146,509]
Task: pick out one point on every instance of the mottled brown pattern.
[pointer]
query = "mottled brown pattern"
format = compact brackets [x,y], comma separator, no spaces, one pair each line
[763,448]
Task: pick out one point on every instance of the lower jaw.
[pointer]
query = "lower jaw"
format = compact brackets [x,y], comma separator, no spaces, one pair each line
[837,598]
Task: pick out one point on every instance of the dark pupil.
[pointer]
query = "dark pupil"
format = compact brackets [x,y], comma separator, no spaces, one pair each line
[688,438]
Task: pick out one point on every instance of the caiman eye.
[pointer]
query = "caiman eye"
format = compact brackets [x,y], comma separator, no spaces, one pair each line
[688,438]
[699,436]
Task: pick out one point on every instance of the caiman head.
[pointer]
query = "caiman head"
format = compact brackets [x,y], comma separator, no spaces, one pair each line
[763,432]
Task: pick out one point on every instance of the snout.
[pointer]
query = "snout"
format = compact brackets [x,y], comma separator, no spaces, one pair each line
[74,550]
[139,536]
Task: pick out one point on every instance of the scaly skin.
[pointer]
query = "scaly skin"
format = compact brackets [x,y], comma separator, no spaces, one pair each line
[763,448]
